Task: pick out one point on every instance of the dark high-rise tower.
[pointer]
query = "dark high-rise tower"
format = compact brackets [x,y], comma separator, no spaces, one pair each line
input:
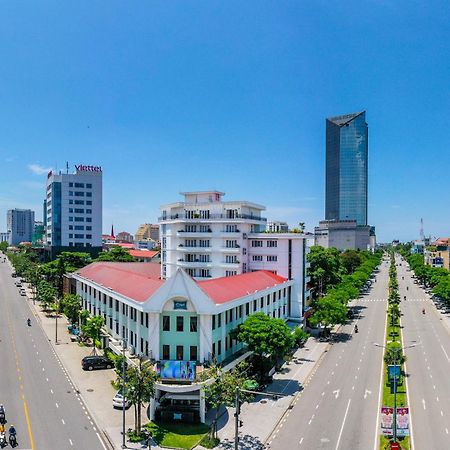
[347,168]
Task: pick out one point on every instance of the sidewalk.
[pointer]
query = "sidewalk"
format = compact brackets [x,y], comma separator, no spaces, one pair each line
[94,387]
[262,416]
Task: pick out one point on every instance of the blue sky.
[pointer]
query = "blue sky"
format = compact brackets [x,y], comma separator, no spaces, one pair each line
[196,95]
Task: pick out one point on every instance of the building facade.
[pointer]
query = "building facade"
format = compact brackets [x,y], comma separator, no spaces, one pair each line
[178,319]
[147,231]
[211,238]
[275,226]
[19,225]
[73,214]
[344,235]
[346,168]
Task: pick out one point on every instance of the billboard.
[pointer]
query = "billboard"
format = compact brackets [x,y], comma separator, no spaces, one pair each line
[402,421]
[176,370]
[387,421]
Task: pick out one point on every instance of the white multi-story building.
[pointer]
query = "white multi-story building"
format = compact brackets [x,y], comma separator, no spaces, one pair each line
[20,225]
[211,238]
[73,209]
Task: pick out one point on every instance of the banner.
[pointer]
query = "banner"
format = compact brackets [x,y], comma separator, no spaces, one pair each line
[387,421]
[402,421]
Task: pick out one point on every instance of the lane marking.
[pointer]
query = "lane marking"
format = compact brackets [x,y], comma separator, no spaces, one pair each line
[343,424]
[30,430]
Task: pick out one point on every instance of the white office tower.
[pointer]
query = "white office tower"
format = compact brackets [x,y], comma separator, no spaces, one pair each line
[20,226]
[211,238]
[73,209]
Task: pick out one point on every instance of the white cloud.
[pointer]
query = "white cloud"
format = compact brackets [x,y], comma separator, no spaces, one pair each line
[38,170]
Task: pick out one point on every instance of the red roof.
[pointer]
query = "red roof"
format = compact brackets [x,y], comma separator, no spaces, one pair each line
[143,253]
[124,245]
[224,289]
[137,281]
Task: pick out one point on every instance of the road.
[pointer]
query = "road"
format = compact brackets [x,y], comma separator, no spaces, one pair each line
[34,388]
[338,408]
[428,364]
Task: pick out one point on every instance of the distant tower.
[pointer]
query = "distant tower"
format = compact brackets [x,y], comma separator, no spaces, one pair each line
[112,231]
[422,234]
[346,168]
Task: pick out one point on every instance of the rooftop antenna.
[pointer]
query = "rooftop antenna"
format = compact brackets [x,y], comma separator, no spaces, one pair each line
[422,234]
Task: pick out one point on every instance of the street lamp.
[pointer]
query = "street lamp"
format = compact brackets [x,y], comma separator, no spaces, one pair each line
[396,351]
[124,345]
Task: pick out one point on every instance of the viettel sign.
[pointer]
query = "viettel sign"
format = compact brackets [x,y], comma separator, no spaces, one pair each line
[83,168]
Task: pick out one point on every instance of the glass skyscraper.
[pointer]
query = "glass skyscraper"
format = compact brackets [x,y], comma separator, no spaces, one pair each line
[347,168]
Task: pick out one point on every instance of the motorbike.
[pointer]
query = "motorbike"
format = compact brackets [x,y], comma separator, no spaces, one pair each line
[356,328]
[29,322]
[423,311]
[2,418]
[12,440]
[3,442]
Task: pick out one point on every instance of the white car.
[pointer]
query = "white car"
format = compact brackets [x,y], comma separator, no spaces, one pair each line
[118,401]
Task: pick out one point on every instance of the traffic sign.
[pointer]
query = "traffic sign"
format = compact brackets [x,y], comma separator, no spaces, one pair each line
[395,446]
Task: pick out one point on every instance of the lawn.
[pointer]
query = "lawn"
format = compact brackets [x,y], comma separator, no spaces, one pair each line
[177,435]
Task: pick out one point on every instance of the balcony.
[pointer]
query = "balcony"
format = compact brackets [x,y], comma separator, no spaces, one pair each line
[221,217]
[188,234]
[182,248]
[183,263]
[230,265]
[236,249]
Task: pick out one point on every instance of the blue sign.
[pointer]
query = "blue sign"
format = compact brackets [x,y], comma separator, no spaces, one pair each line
[394,373]
[179,305]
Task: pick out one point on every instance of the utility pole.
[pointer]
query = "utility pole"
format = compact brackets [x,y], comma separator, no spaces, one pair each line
[237,405]
[124,344]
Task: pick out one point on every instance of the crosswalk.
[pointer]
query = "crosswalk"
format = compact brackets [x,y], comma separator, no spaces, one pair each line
[363,300]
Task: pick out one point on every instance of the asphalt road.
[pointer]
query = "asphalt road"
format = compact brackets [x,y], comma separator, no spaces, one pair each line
[338,408]
[34,388]
[428,364]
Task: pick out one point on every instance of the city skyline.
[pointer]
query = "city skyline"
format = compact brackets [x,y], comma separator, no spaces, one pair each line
[246,116]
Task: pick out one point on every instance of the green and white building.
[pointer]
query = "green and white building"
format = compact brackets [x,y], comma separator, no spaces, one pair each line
[180,323]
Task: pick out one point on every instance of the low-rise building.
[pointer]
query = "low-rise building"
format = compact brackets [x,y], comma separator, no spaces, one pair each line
[125,237]
[438,253]
[344,235]
[181,324]
[144,255]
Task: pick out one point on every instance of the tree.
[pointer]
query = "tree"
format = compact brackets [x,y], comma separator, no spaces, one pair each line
[394,355]
[350,260]
[46,294]
[93,328]
[324,269]
[139,387]
[329,312]
[116,254]
[222,390]
[265,335]
[71,307]
[3,246]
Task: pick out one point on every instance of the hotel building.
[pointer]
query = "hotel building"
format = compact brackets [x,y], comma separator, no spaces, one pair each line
[211,238]
[73,210]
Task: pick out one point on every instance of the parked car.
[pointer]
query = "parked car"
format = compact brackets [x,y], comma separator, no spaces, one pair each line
[96,362]
[18,284]
[22,292]
[118,401]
